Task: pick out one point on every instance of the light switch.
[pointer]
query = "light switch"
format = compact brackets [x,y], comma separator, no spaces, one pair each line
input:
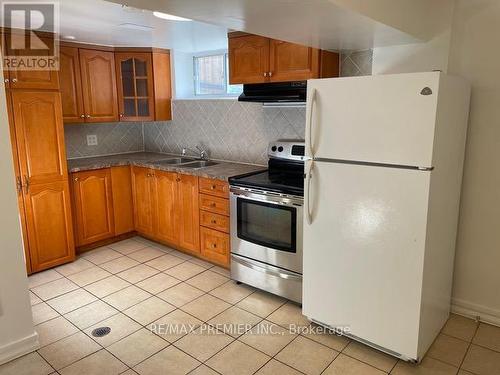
[91,140]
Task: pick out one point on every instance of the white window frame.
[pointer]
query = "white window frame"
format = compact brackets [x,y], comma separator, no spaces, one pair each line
[226,75]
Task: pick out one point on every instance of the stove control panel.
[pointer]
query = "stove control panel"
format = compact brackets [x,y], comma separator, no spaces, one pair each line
[288,150]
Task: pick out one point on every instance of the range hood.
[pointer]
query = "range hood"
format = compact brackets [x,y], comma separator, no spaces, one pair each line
[279,92]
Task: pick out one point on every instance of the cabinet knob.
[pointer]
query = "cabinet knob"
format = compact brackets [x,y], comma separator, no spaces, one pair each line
[214,246]
[121,114]
[214,221]
[82,116]
[270,74]
[76,179]
[265,74]
[6,80]
[213,204]
[88,116]
[178,179]
[214,187]
[14,80]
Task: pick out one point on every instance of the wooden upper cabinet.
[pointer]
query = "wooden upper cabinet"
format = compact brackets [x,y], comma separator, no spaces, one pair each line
[167,213]
[256,59]
[93,205]
[143,200]
[31,79]
[99,85]
[292,62]
[162,85]
[189,223]
[123,205]
[135,86]
[49,225]
[248,59]
[71,85]
[39,135]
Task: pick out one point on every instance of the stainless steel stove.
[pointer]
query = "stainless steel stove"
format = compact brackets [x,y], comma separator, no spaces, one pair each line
[266,223]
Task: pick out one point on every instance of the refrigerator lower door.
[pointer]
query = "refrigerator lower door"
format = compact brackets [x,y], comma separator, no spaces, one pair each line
[364,251]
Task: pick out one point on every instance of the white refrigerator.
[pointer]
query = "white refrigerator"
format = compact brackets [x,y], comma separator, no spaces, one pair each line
[383,179]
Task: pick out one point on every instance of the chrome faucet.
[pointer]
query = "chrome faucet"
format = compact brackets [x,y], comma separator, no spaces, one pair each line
[203,153]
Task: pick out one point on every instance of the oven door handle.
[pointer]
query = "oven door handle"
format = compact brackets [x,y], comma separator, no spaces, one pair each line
[242,195]
[257,267]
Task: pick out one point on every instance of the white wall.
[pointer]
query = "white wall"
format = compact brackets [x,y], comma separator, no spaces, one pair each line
[475,55]
[421,57]
[183,75]
[469,50]
[17,335]
[422,18]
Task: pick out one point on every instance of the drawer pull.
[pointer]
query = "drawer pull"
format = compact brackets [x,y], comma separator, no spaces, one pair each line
[214,221]
[213,204]
[214,187]
[214,246]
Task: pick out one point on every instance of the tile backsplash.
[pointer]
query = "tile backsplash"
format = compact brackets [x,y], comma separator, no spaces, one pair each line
[112,138]
[229,129]
[356,63]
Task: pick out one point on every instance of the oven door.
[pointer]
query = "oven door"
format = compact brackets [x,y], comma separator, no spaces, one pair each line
[267,227]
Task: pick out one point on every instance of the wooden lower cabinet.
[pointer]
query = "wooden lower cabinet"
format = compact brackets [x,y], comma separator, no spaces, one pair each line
[142,188]
[214,204]
[215,246]
[48,222]
[214,221]
[166,207]
[93,206]
[166,213]
[123,205]
[189,223]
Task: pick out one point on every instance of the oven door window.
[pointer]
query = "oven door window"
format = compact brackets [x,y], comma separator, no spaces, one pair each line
[267,224]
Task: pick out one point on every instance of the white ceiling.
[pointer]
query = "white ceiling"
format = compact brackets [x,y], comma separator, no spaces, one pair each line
[319,23]
[327,24]
[98,22]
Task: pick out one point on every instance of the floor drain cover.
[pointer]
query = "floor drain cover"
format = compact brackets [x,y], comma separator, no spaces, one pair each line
[101,331]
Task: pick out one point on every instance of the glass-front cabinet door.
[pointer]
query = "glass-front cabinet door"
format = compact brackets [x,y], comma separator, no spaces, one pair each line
[135,86]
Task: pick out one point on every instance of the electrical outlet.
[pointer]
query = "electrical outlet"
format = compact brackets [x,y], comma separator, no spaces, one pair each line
[91,140]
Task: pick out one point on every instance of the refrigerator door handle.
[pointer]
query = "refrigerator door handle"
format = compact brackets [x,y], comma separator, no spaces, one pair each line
[308,198]
[309,124]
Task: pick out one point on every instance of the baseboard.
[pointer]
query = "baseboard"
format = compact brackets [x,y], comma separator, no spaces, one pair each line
[475,311]
[18,348]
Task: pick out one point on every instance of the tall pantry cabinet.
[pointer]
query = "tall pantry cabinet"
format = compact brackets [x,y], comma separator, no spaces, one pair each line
[37,135]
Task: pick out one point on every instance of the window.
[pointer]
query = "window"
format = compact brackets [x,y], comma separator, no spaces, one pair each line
[211,76]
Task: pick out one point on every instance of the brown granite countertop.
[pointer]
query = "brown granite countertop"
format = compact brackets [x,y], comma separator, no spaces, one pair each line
[222,171]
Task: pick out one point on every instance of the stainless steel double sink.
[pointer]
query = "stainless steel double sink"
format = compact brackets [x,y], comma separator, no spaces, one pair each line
[183,162]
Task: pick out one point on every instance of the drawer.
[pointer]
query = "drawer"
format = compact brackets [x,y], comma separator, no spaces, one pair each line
[214,221]
[214,187]
[215,246]
[214,204]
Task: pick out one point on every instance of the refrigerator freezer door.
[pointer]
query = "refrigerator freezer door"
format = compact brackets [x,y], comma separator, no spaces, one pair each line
[385,119]
[364,250]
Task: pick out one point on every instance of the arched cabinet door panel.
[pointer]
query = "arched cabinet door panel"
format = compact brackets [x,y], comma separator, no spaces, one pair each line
[99,85]
[93,206]
[48,220]
[248,59]
[39,135]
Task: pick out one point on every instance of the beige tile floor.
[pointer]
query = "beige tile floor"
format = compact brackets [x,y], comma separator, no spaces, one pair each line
[134,285]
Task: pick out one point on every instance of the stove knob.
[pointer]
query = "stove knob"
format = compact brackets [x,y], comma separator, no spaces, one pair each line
[280,149]
[273,149]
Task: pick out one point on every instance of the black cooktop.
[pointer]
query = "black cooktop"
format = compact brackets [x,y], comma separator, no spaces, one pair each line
[282,177]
